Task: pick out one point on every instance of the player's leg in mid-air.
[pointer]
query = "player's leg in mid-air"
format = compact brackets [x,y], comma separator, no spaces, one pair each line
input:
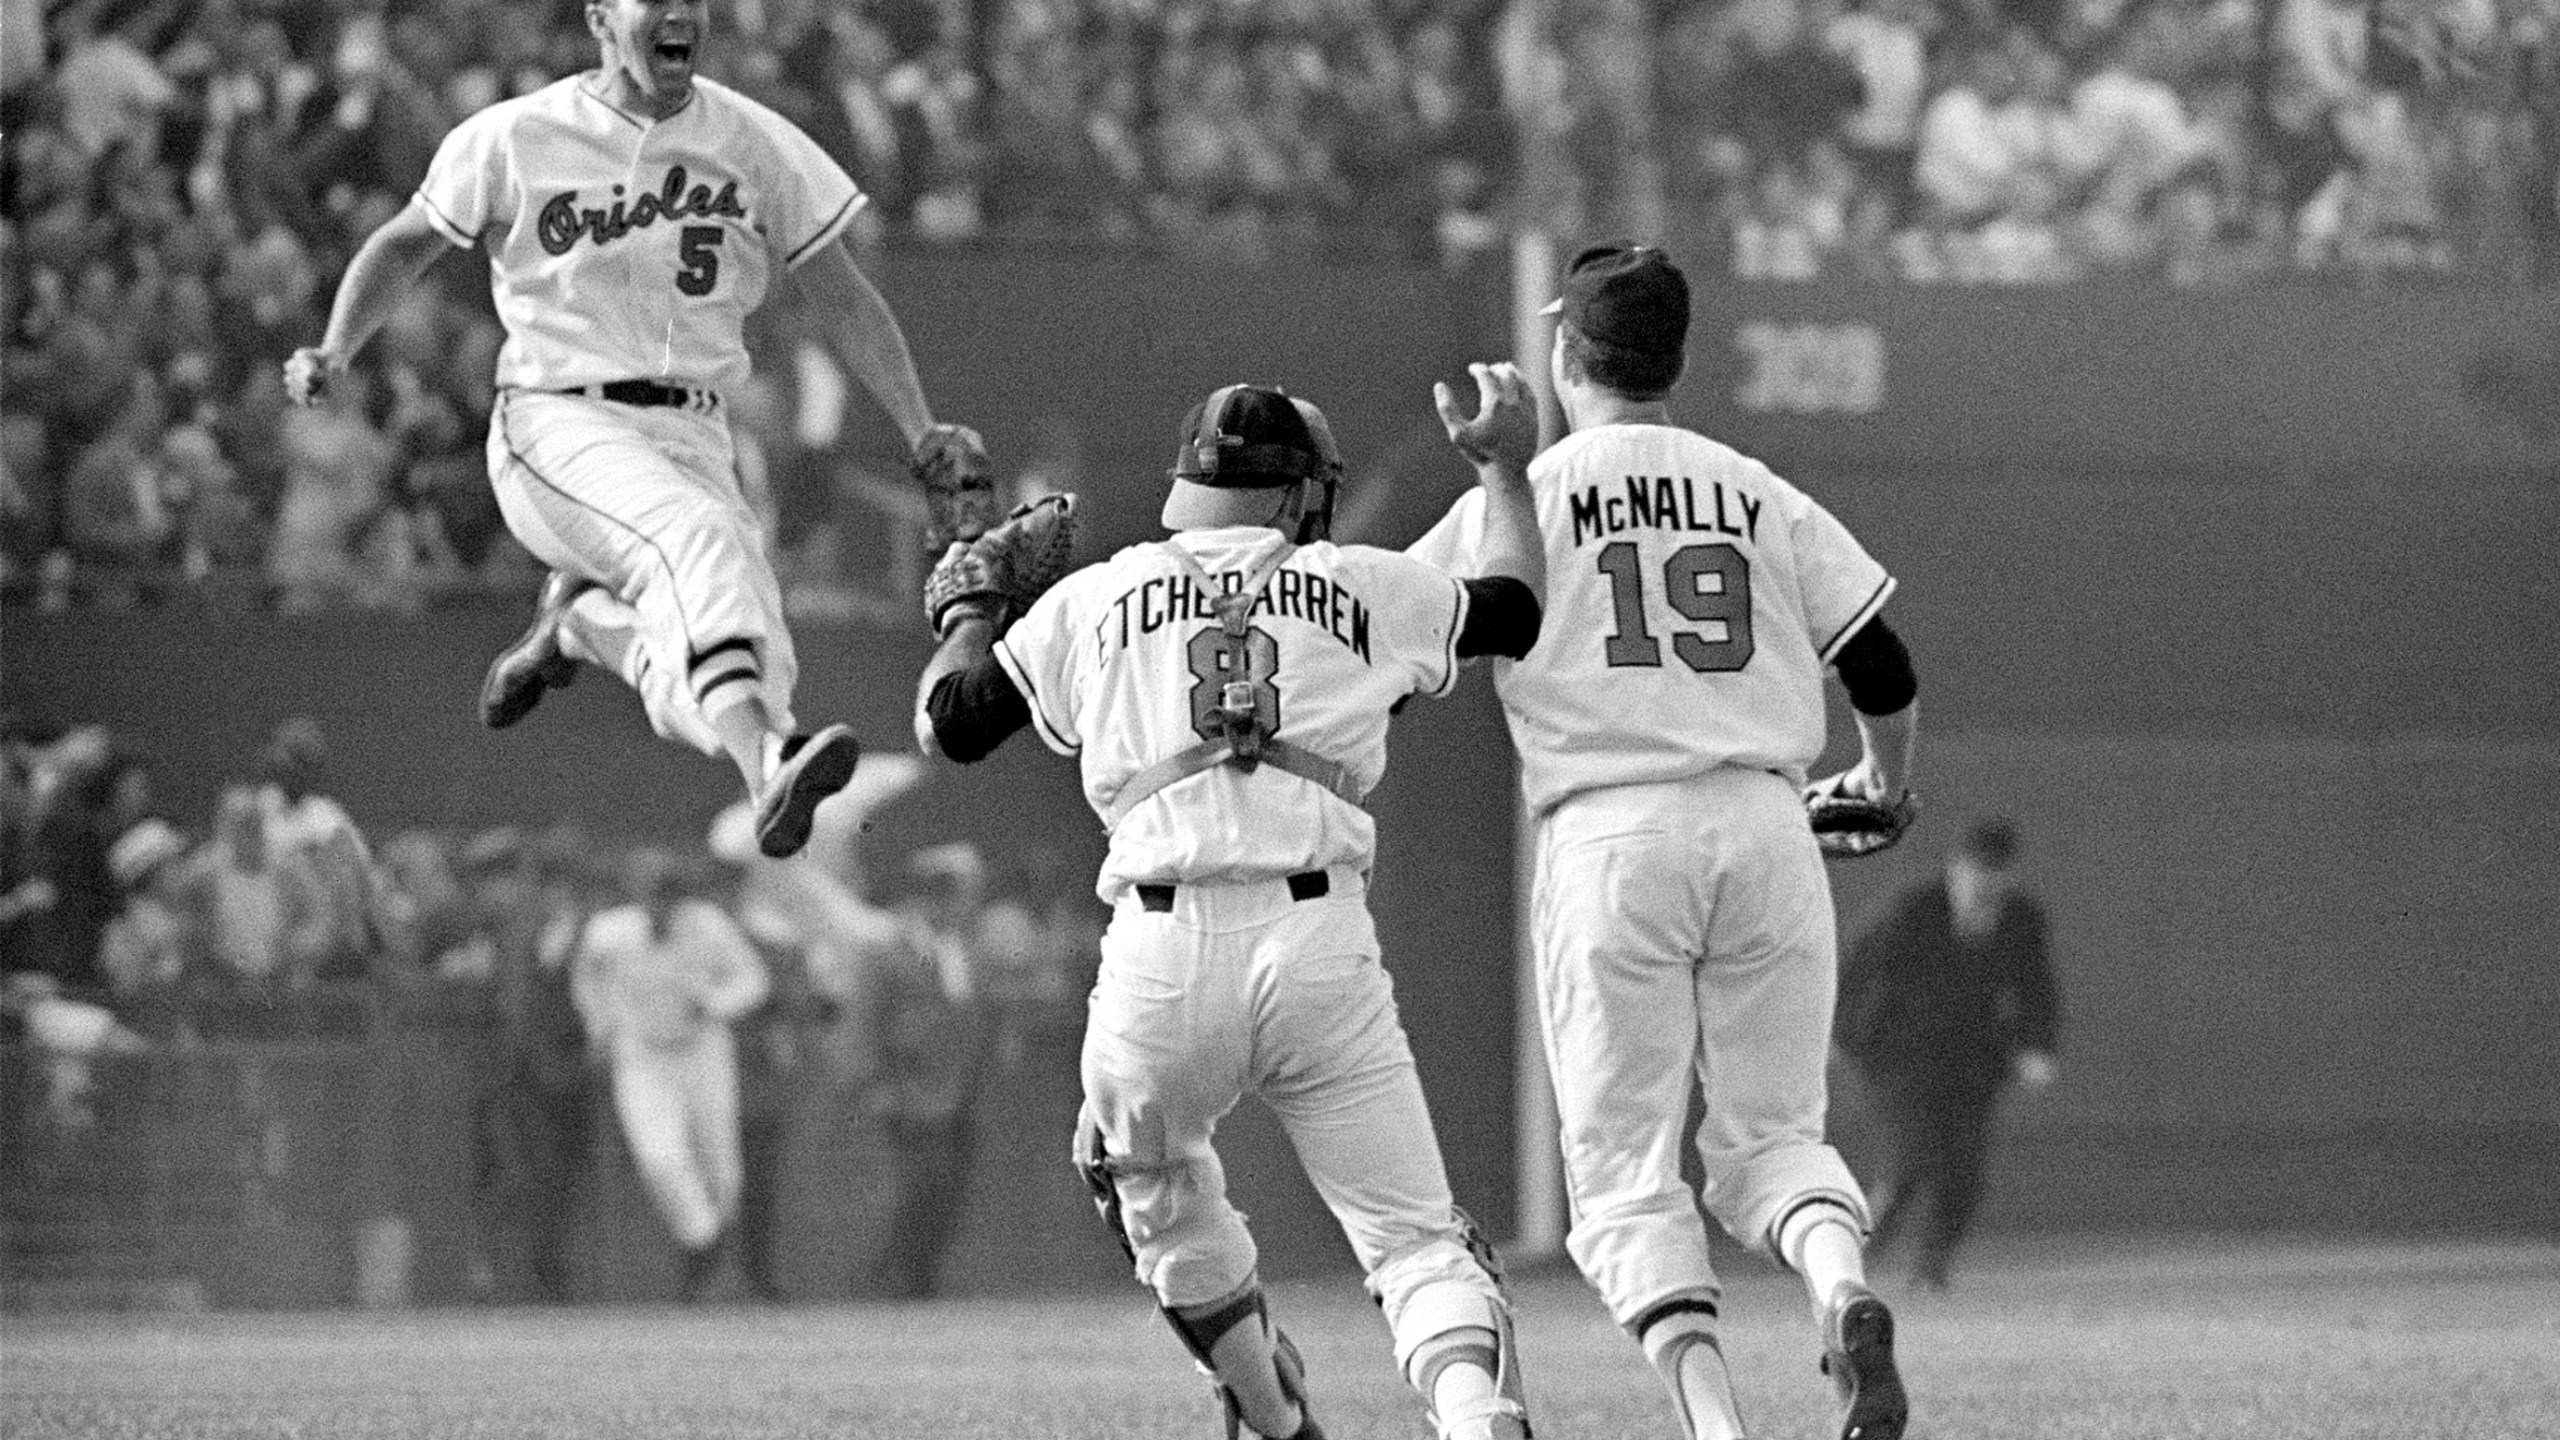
[663,579]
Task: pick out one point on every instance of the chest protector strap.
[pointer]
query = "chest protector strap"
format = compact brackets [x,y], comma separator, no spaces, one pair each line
[1244,742]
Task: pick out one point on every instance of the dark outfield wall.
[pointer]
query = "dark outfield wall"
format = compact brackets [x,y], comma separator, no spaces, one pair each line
[2241,604]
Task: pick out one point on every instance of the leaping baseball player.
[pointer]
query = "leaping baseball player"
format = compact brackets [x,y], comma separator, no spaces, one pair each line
[1683,922]
[634,215]
[1227,693]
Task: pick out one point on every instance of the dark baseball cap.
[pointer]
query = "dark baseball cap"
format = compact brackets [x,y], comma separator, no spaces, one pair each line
[1630,296]
[1240,442]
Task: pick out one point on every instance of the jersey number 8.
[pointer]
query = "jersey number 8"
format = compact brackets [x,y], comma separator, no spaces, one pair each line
[1219,660]
[1710,584]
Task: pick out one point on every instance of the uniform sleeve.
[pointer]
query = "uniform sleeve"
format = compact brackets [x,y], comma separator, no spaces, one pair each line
[1456,544]
[1843,585]
[1420,611]
[814,199]
[466,192]
[1039,655]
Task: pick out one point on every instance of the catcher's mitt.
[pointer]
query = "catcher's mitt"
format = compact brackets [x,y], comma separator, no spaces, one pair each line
[951,462]
[998,574]
[1848,826]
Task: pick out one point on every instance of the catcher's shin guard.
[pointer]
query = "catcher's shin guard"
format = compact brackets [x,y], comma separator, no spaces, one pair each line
[1250,1362]
[1480,1334]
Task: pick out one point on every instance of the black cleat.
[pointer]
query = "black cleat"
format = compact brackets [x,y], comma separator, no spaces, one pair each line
[1857,1353]
[813,767]
[534,663]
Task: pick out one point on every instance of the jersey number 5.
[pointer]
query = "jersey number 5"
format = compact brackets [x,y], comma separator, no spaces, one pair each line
[1220,661]
[699,247]
[1710,584]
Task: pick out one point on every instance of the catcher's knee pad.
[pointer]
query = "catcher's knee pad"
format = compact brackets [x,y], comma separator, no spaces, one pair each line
[1093,1164]
[1170,1214]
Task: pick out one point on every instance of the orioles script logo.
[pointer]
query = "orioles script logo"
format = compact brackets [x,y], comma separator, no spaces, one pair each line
[563,224]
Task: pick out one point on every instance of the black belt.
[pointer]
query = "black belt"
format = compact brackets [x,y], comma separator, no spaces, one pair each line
[1305,885]
[645,392]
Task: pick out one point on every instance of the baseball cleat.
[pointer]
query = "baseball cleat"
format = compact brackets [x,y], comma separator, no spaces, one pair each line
[813,767]
[534,663]
[1857,1353]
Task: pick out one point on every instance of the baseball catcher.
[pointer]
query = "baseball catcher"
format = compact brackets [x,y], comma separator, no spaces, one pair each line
[951,463]
[1848,825]
[997,574]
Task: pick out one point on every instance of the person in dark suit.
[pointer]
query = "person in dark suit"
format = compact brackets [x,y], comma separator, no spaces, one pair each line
[1944,1003]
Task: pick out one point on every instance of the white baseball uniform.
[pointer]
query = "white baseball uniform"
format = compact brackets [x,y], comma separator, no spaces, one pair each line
[625,249]
[1241,957]
[1683,922]
[661,1008]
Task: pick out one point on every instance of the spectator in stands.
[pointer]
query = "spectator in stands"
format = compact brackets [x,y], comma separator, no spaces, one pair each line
[336,487]
[313,832]
[118,525]
[86,791]
[150,946]
[1978,136]
[26,891]
[533,1120]
[1886,43]
[265,920]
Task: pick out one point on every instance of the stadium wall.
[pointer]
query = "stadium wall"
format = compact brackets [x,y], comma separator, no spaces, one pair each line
[2238,603]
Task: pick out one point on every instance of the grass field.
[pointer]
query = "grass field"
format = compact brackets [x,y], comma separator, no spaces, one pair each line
[2218,1340]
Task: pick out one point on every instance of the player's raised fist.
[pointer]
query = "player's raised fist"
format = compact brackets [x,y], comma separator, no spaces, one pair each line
[1504,427]
[308,373]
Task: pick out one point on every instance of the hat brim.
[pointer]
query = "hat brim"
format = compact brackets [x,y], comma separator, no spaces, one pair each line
[1190,505]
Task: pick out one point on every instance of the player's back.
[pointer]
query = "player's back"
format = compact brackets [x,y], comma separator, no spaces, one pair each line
[1125,664]
[1693,596]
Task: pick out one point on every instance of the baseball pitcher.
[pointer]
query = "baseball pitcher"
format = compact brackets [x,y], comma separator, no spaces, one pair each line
[633,216]
[1683,922]
[1227,693]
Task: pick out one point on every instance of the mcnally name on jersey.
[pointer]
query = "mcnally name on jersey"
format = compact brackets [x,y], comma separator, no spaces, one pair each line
[1666,502]
[1167,599]
[563,224]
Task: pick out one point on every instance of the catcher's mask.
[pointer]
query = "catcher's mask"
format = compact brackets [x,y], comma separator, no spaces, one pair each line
[1240,449]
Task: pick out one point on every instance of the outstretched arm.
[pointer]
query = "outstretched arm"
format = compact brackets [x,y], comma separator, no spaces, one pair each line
[865,337]
[391,260]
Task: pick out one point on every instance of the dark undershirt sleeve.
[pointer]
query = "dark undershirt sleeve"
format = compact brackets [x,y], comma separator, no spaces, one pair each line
[973,710]
[1875,668]
[1502,618]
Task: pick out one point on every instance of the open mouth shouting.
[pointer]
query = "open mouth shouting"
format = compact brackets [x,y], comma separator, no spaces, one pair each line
[671,56]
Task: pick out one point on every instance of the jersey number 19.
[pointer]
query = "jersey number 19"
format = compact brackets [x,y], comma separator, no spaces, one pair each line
[1710,584]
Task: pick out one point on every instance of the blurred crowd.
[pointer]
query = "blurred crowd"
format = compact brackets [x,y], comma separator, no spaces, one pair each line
[280,918]
[182,182]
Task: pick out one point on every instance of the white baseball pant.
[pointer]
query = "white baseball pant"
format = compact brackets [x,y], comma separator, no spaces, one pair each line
[1686,928]
[1237,990]
[645,501]
[679,1111]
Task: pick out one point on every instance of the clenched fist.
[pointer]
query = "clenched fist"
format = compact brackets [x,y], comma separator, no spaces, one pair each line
[308,373]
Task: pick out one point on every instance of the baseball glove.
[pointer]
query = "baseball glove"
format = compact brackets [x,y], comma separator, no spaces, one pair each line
[997,575]
[951,462]
[1849,826]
